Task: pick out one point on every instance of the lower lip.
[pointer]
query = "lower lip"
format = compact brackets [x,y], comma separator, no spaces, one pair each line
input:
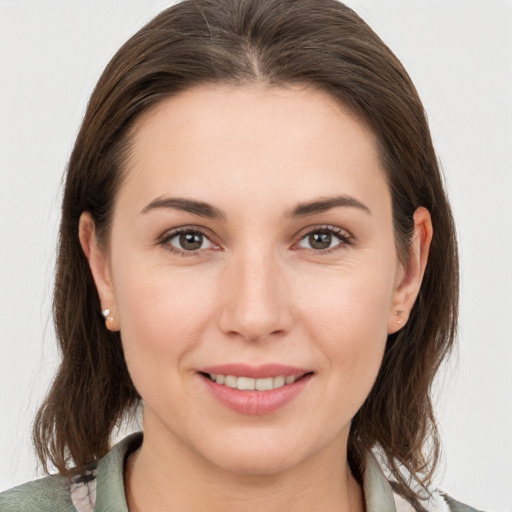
[256,403]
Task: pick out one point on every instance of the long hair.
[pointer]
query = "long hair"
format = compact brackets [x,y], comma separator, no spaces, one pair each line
[321,44]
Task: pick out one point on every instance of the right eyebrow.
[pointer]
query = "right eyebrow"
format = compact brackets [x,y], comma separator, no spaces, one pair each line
[324,204]
[186,205]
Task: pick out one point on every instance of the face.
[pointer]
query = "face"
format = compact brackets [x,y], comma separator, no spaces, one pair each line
[253,274]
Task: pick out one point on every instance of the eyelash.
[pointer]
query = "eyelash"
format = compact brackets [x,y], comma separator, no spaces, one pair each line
[343,236]
[169,235]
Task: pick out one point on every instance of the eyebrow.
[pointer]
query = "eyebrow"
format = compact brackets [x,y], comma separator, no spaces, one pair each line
[203,209]
[186,205]
[324,204]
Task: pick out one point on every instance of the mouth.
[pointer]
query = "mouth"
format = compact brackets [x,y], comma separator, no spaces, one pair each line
[253,390]
[251,384]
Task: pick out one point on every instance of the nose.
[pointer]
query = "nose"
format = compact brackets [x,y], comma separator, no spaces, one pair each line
[255,301]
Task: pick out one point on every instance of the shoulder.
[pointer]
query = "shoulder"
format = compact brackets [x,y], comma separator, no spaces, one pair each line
[457,506]
[383,495]
[100,487]
[438,501]
[45,495]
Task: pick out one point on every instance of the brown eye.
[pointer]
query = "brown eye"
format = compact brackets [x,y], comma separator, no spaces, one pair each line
[189,241]
[320,241]
[324,239]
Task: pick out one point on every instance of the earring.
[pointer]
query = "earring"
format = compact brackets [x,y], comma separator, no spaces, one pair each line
[111,323]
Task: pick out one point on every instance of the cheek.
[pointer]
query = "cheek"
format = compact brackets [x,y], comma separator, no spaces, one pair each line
[162,313]
[348,318]
[351,304]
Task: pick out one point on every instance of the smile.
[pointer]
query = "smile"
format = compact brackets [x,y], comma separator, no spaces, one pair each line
[250,384]
[255,390]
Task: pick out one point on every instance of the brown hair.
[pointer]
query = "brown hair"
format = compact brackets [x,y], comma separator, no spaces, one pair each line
[317,43]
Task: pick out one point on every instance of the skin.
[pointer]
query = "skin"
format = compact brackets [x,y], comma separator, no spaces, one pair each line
[256,291]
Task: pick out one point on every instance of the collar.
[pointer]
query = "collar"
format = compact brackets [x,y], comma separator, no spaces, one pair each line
[110,484]
[377,491]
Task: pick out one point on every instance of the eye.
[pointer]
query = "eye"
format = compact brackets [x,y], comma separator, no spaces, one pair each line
[187,241]
[324,239]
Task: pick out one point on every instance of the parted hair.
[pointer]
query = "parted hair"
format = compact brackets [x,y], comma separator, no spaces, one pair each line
[321,44]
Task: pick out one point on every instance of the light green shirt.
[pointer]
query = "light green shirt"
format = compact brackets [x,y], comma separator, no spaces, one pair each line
[102,489]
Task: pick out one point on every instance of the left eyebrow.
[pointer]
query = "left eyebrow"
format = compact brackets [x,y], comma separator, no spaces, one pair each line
[186,205]
[324,204]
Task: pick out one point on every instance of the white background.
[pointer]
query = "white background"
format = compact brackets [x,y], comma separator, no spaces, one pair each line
[459,54]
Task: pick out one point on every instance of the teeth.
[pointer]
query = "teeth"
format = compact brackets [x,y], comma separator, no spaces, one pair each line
[279,382]
[264,384]
[230,381]
[247,383]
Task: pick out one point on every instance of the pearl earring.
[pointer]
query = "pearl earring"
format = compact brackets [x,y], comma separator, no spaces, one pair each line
[105,313]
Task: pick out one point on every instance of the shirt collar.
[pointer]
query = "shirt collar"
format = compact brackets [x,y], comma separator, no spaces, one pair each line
[110,483]
[377,491]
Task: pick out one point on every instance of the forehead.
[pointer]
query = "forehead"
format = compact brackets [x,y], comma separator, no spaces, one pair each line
[217,140]
[220,110]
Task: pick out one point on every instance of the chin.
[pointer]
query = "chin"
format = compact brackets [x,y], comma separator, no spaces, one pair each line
[257,462]
[262,455]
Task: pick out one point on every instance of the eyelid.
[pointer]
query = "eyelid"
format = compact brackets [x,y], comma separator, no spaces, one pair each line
[168,235]
[345,237]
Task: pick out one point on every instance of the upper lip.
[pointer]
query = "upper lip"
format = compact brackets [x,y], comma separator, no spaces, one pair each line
[255,372]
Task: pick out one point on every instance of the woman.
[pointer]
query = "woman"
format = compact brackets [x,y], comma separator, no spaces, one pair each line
[256,244]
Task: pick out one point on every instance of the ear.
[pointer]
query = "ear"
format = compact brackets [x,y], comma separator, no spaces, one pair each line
[410,275]
[99,265]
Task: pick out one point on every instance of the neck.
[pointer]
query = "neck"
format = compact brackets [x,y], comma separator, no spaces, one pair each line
[167,476]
